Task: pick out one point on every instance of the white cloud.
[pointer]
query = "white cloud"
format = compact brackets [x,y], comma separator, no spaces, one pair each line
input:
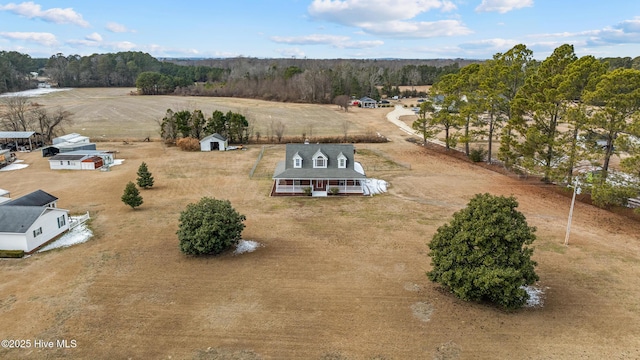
[32,10]
[626,32]
[503,6]
[94,37]
[353,12]
[313,39]
[46,39]
[388,18]
[423,29]
[490,45]
[123,45]
[117,28]
[336,41]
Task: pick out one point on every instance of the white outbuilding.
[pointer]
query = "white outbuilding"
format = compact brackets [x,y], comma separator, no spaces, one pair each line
[214,142]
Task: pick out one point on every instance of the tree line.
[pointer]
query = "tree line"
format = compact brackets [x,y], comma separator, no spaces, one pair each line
[16,71]
[320,81]
[193,124]
[550,117]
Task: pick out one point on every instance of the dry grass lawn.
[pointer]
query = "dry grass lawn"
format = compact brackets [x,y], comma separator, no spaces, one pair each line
[336,278]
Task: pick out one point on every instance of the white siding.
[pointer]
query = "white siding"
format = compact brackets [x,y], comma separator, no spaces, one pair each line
[13,241]
[48,221]
[65,164]
[49,224]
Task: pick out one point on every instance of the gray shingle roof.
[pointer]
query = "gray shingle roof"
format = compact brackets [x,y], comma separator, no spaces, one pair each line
[36,198]
[18,219]
[306,151]
[64,156]
[214,136]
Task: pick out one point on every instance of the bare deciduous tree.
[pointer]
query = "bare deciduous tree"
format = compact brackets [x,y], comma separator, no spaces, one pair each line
[17,114]
[51,125]
[343,101]
[278,128]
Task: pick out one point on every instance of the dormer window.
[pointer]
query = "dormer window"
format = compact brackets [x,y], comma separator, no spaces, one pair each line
[320,160]
[297,161]
[342,161]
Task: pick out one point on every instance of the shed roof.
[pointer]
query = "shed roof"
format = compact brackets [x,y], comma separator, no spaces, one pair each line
[64,156]
[16,134]
[36,198]
[214,136]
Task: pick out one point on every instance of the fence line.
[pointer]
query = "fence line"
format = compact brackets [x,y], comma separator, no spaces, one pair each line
[77,220]
[253,169]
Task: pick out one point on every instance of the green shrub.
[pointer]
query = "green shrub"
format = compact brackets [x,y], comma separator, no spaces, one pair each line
[605,195]
[307,190]
[483,253]
[477,155]
[11,253]
[334,191]
[210,226]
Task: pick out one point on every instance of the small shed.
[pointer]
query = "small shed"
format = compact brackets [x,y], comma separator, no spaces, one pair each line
[106,156]
[214,142]
[91,163]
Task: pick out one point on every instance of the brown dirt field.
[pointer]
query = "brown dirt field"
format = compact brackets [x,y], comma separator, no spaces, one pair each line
[336,278]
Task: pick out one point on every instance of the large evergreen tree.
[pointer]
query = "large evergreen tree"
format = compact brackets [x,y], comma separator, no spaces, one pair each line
[482,254]
[131,196]
[209,226]
[145,180]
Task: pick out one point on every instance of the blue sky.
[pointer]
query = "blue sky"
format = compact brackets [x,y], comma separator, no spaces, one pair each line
[321,29]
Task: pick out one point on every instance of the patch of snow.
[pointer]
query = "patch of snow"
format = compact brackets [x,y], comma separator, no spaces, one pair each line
[374,187]
[536,296]
[117,162]
[77,235]
[245,246]
[34,92]
[358,167]
[14,166]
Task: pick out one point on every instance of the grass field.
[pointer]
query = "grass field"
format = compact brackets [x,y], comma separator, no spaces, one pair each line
[335,278]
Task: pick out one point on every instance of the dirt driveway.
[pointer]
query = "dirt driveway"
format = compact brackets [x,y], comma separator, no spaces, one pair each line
[336,278]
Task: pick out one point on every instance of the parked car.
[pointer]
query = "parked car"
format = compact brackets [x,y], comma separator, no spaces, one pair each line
[383,102]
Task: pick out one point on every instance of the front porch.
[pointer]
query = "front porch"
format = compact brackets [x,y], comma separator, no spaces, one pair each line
[316,187]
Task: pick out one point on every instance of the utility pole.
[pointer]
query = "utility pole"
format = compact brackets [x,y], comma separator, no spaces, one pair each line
[576,189]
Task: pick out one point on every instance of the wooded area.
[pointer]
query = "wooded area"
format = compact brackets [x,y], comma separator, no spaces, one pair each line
[555,118]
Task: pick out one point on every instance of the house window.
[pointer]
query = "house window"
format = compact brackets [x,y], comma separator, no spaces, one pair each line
[297,161]
[319,160]
[37,232]
[68,162]
[342,161]
[62,221]
[61,162]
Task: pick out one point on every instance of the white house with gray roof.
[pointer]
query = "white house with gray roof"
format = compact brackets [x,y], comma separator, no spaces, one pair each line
[322,169]
[29,222]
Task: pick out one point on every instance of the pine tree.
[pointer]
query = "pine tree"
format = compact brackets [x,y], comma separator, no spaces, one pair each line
[131,196]
[145,180]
